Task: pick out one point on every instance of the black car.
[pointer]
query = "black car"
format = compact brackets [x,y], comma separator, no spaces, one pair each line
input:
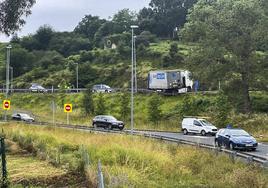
[107,122]
[235,139]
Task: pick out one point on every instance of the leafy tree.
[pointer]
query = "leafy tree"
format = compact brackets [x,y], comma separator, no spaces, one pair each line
[153,109]
[124,106]
[228,32]
[163,16]
[87,102]
[43,36]
[22,61]
[11,13]
[100,105]
[123,20]
[89,26]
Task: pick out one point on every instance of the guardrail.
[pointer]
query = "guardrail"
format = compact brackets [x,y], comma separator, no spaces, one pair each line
[249,157]
[79,90]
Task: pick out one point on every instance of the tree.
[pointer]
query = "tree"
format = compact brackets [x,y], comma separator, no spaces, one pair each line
[228,33]
[89,26]
[43,36]
[87,102]
[123,20]
[223,109]
[100,105]
[11,13]
[163,16]
[153,109]
[124,106]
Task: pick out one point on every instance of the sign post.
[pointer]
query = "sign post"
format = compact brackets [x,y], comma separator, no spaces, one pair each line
[6,107]
[68,108]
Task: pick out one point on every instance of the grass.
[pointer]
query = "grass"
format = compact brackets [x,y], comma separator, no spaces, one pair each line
[40,106]
[24,170]
[136,162]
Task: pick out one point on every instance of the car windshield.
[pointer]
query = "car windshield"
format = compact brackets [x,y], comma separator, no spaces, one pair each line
[238,132]
[107,87]
[110,118]
[206,123]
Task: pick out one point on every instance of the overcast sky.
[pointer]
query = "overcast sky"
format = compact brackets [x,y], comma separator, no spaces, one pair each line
[64,15]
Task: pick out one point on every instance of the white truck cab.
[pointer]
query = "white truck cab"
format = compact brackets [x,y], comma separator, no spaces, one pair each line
[198,126]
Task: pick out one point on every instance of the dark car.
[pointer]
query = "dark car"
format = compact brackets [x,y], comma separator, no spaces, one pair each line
[235,139]
[107,122]
[22,117]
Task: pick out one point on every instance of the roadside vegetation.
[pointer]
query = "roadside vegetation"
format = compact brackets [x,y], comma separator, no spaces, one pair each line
[134,161]
[152,111]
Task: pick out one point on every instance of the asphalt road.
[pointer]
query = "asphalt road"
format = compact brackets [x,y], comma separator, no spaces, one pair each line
[262,149]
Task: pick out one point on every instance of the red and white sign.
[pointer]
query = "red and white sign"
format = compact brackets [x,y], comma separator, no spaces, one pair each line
[68,108]
[6,105]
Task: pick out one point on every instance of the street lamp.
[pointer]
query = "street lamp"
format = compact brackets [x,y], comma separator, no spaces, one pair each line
[132,78]
[11,79]
[7,69]
[135,65]
[76,77]
[7,75]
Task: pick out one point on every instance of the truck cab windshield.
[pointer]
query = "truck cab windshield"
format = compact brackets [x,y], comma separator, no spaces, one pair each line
[206,123]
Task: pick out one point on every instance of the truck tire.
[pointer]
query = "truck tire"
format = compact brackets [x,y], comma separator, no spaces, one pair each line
[203,133]
[185,132]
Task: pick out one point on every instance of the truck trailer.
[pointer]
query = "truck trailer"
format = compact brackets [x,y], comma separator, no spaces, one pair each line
[170,80]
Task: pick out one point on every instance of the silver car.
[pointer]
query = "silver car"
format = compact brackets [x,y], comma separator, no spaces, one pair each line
[102,88]
[22,117]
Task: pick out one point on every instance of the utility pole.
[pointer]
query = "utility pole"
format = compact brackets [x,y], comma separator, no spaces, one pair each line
[11,79]
[76,77]
[7,75]
[132,79]
[135,64]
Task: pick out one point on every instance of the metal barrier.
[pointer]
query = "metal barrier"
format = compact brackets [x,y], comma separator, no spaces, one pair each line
[100,176]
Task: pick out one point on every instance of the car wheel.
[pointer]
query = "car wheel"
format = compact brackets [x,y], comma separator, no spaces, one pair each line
[185,132]
[121,128]
[231,146]
[203,133]
[217,144]
[95,126]
[110,127]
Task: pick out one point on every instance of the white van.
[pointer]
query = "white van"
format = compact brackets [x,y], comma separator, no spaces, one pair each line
[198,126]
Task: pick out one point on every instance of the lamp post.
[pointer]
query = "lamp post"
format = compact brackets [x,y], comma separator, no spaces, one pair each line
[76,77]
[7,69]
[132,79]
[11,79]
[7,74]
[135,65]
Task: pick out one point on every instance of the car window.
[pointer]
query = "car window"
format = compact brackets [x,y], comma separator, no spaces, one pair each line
[196,123]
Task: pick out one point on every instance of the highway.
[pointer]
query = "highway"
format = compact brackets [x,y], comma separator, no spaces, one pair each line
[262,149]
[260,155]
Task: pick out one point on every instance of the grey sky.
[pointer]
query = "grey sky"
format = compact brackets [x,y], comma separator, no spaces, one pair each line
[64,15]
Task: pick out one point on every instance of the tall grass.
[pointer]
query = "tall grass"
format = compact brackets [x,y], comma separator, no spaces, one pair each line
[134,161]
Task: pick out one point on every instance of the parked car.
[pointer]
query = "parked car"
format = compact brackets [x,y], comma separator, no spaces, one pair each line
[235,139]
[107,122]
[22,117]
[102,88]
[198,126]
[37,88]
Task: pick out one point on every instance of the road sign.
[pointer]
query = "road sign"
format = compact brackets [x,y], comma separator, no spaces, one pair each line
[6,104]
[68,108]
